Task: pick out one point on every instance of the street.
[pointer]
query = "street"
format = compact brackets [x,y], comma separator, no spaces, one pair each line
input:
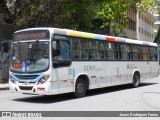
[117,98]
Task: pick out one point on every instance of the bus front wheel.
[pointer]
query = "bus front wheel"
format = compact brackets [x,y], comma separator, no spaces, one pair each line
[136,80]
[80,88]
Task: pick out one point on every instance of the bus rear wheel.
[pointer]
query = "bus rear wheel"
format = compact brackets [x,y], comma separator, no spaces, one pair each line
[136,80]
[80,88]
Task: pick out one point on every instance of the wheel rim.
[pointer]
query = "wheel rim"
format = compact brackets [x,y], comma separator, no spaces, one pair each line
[80,88]
[136,80]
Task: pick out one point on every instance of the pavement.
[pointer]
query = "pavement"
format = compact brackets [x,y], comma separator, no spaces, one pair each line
[4,85]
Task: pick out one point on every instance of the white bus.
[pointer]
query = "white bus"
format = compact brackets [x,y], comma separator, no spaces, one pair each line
[50,61]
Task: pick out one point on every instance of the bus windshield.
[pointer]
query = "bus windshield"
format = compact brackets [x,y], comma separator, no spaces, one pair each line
[29,57]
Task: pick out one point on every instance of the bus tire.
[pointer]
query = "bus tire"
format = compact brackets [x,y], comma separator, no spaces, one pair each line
[136,80]
[80,88]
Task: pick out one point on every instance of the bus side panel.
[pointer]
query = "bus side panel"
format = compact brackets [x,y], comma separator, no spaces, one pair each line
[118,72]
[101,74]
[148,69]
[62,80]
[95,71]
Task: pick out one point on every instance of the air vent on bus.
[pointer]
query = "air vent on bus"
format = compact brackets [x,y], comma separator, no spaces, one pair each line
[26,77]
[28,82]
[25,87]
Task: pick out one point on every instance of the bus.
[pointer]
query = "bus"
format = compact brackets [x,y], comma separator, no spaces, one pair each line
[50,61]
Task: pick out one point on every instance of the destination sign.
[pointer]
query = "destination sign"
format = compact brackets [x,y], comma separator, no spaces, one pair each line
[31,35]
[17,65]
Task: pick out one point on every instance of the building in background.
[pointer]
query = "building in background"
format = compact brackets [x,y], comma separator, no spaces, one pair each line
[140,26]
[145,26]
[131,31]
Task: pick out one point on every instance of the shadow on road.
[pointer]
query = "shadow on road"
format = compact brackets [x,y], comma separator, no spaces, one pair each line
[69,96]
[115,89]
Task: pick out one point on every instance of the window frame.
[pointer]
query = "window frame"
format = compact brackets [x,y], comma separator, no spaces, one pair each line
[61,63]
[113,51]
[96,49]
[80,49]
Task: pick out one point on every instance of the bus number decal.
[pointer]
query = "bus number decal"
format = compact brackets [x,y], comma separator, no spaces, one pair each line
[89,68]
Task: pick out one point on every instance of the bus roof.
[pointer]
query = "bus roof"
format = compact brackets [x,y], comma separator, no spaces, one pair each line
[74,33]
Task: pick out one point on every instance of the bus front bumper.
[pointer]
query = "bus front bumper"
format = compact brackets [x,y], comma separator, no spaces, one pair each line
[43,89]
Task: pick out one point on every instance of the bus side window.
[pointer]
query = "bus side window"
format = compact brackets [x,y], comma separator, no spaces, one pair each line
[109,50]
[94,51]
[61,55]
[76,49]
[61,50]
[125,52]
[80,49]
[65,50]
[116,49]
[153,53]
[145,52]
[56,50]
[139,52]
[134,52]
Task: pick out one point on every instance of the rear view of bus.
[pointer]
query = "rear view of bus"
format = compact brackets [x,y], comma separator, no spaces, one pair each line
[29,66]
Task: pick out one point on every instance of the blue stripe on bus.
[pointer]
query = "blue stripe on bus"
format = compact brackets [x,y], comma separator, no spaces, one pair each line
[117,70]
[100,37]
[73,72]
[40,76]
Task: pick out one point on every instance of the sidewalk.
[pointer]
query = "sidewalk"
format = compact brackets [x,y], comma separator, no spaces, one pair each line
[4,85]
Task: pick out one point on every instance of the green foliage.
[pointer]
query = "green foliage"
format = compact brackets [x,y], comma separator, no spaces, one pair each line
[157,38]
[86,15]
[73,14]
[115,12]
[146,5]
[5,14]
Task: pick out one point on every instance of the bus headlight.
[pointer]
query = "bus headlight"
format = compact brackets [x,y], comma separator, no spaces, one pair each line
[44,79]
[12,80]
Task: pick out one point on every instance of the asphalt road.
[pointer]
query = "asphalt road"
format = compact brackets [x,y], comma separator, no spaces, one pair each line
[117,98]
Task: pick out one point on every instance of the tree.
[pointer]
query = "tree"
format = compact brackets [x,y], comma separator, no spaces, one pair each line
[115,12]
[85,15]
[5,15]
[73,14]
[157,38]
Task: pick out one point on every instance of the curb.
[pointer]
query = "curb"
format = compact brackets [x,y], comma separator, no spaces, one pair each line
[4,86]
[7,88]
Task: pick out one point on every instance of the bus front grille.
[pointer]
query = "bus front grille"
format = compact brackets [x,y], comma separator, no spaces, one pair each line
[25,87]
[28,82]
